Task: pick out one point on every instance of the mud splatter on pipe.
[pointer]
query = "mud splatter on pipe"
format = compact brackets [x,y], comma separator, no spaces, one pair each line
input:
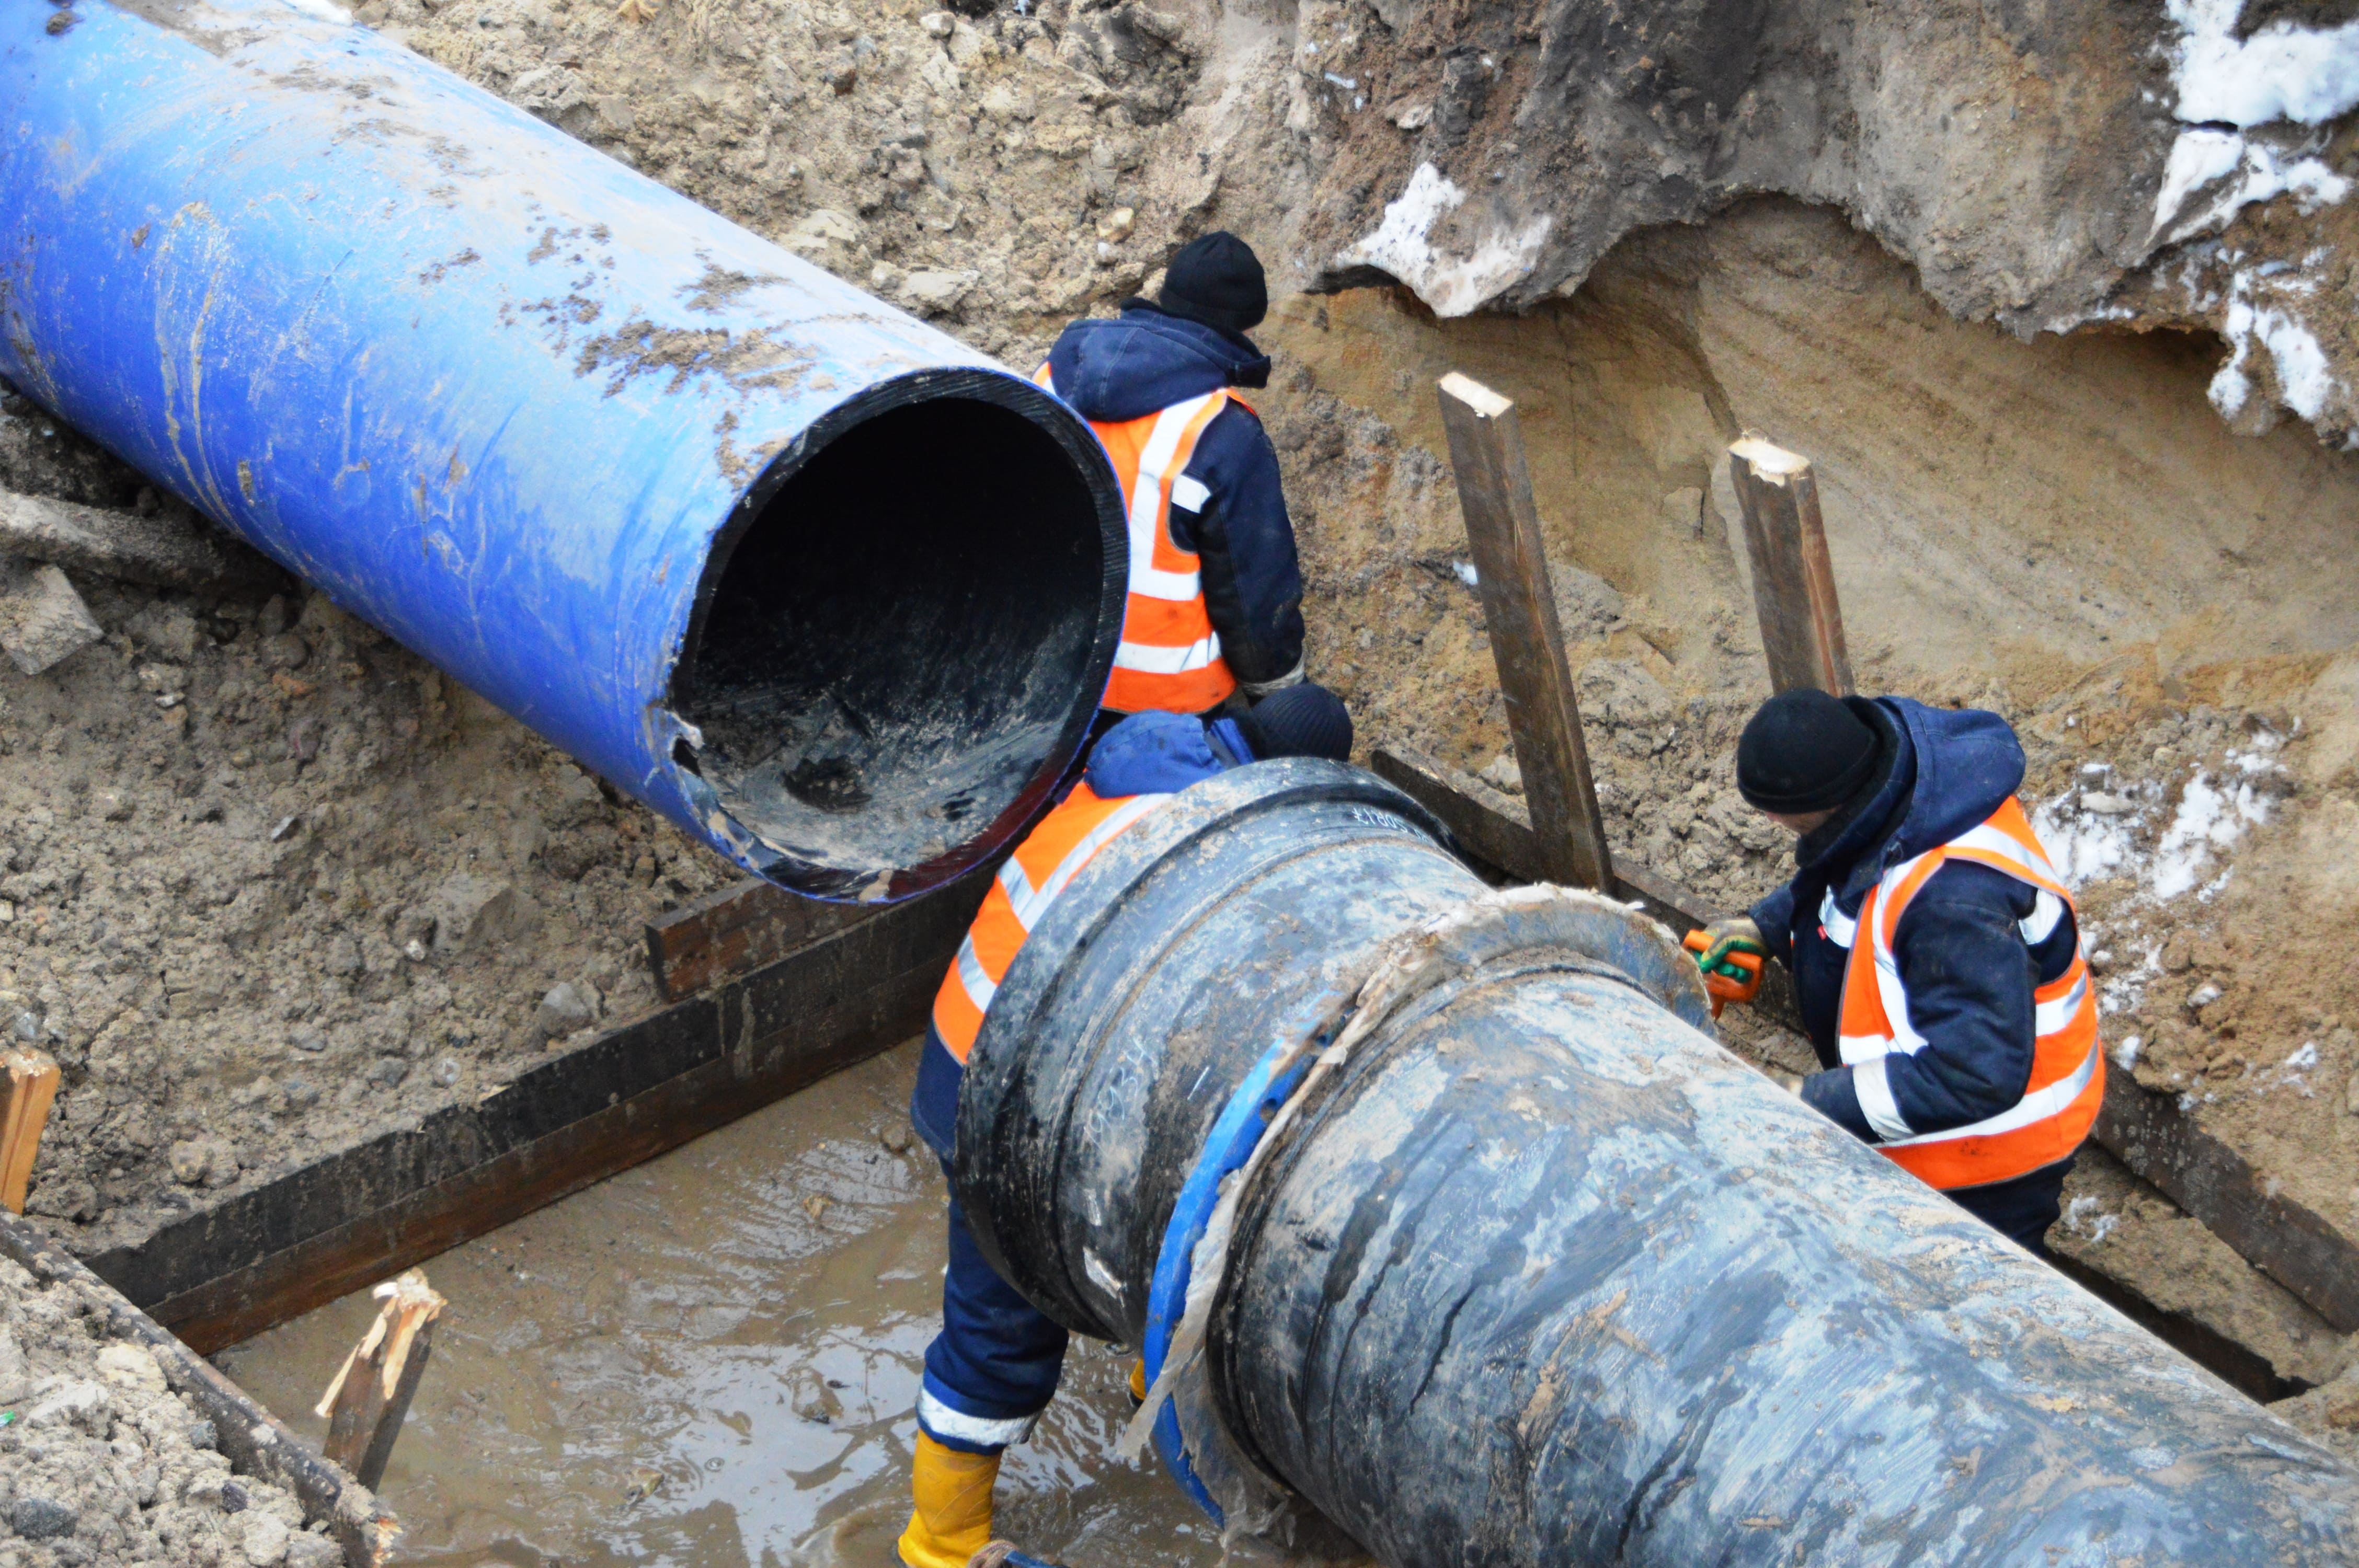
[1538,1273]
[829,589]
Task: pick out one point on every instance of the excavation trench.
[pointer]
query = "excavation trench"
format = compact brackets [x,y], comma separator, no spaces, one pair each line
[712,1361]
[2062,531]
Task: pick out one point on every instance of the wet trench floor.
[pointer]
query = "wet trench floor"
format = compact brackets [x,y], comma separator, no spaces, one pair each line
[711,1360]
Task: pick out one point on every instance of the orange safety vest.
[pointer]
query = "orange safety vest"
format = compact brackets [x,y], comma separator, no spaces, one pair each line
[2067,1070]
[1169,660]
[1027,883]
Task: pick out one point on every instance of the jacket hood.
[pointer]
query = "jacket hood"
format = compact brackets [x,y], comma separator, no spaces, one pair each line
[1151,753]
[1143,359]
[1952,770]
[1968,763]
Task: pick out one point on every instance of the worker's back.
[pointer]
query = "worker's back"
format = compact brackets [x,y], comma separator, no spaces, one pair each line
[1215,587]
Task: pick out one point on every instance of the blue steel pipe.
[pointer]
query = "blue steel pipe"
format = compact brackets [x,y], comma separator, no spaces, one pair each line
[831,590]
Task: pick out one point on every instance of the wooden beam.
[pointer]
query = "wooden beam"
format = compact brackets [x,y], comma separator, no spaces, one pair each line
[366,1403]
[2286,1240]
[1492,829]
[255,1442]
[1503,531]
[735,930]
[29,1087]
[344,1221]
[1793,575]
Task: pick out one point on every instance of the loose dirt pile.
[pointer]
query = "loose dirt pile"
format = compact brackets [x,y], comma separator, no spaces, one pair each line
[102,1464]
[269,882]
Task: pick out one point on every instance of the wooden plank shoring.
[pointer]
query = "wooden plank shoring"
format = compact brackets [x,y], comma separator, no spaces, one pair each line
[351,1218]
[1793,575]
[1503,532]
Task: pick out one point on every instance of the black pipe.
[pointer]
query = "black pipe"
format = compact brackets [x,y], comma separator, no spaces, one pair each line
[1539,1274]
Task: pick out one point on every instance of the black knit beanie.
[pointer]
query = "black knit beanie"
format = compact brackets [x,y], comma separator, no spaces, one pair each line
[1305,721]
[1803,751]
[1217,280]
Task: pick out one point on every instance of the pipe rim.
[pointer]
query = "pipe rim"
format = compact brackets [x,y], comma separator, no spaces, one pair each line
[995,387]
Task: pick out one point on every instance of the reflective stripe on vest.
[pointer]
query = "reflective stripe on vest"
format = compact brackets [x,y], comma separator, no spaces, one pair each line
[1027,883]
[1169,659]
[2067,1070]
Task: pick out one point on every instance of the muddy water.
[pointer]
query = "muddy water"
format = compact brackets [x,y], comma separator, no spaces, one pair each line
[711,1361]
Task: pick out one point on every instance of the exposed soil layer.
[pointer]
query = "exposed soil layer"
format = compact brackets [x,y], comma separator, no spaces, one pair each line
[102,1464]
[713,1362]
[2046,167]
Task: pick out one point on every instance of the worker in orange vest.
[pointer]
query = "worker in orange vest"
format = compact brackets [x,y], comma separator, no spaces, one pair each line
[995,1366]
[1214,616]
[1934,948]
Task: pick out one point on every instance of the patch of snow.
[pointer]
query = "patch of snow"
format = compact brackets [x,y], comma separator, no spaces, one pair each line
[2205,157]
[2280,72]
[2084,1217]
[1466,573]
[2082,843]
[2304,381]
[2295,1070]
[2228,87]
[1400,248]
[2210,818]
[2125,1055]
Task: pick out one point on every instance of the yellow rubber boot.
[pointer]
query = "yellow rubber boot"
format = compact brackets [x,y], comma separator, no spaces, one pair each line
[952,1521]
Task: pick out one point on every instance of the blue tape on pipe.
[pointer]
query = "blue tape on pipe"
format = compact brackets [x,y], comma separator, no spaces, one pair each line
[768,554]
[1235,1134]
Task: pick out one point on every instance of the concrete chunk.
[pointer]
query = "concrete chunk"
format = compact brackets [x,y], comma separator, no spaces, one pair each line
[473,913]
[565,1009]
[163,549]
[42,619]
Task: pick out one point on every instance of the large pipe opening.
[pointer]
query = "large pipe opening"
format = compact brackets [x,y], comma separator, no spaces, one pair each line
[902,645]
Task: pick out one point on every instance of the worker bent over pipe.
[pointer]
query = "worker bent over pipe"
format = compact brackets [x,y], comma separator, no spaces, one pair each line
[995,1365]
[1934,948]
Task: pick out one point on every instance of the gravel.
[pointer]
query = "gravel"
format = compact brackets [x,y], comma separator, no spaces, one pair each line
[103,1463]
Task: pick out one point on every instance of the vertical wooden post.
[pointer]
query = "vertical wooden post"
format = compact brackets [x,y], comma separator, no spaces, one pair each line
[1793,577]
[29,1086]
[365,1405]
[1495,492]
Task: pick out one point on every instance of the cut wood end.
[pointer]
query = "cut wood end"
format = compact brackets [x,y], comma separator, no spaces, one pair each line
[29,1086]
[1475,395]
[26,1067]
[410,1303]
[1768,460]
[327,1405]
[408,1292]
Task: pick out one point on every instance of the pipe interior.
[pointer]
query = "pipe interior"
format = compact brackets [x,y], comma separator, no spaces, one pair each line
[898,642]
